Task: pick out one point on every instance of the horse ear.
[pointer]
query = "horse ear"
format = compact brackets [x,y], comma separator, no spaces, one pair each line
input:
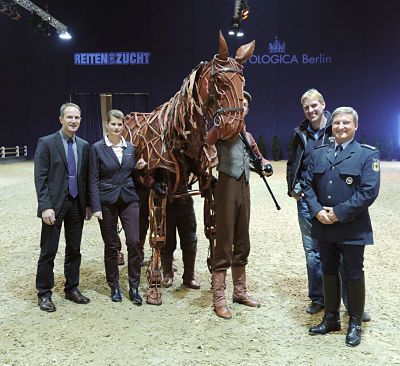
[223,48]
[244,52]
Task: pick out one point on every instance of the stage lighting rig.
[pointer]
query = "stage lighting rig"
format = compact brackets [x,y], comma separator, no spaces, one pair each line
[46,18]
[9,8]
[240,12]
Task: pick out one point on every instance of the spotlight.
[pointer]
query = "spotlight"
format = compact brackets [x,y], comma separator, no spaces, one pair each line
[244,9]
[234,27]
[240,12]
[65,35]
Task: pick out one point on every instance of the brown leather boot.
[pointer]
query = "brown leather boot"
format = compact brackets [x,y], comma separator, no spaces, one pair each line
[168,272]
[219,299]
[239,288]
[189,259]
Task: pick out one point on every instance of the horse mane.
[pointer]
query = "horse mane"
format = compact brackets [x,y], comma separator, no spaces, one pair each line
[170,125]
[185,110]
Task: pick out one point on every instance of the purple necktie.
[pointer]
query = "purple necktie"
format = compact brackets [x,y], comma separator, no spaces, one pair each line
[72,181]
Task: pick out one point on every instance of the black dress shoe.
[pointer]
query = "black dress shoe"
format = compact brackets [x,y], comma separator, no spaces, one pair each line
[366,317]
[46,304]
[314,308]
[135,296]
[116,294]
[77,297]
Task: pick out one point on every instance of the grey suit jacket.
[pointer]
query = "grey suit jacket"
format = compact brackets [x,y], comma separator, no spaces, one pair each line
[51,173]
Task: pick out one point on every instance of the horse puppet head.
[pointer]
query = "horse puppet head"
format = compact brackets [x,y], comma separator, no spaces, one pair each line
[221,84]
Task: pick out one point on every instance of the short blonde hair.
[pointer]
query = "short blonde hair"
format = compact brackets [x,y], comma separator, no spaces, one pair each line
[310,94]
[116,114]
[346,110]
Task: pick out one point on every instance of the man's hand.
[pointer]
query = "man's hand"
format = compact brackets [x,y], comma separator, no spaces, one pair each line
[295,196]
[331,214]
[140,164]
[323,218]
[49,216]
[98,214]
[88,213]
[267,170]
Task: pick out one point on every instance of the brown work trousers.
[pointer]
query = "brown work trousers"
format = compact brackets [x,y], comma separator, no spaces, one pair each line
[232,207]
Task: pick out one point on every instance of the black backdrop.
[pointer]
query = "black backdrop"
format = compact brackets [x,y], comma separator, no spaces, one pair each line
[362,38]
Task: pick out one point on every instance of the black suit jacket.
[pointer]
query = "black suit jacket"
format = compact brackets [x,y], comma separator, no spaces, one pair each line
[51,173]
[108,179]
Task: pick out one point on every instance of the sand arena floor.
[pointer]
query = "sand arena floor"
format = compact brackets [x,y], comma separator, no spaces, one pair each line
[185,330]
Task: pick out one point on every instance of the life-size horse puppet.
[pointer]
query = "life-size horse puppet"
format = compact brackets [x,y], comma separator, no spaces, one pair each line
[172,137]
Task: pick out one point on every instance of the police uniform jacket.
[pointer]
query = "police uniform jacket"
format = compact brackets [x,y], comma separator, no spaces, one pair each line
[349,183]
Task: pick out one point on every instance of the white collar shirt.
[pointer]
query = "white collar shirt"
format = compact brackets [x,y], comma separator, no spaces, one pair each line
[118,148]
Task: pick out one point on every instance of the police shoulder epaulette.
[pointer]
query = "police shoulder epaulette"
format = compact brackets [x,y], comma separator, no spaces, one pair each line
[318,147]
[369,147]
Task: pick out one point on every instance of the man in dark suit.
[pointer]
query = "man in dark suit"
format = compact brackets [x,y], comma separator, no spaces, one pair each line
[61,169]
[342,181]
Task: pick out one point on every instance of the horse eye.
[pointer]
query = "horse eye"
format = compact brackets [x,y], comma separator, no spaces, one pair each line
[219,80]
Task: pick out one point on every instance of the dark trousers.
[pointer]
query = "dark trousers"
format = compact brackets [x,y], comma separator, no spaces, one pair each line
[71,215]
[129,216]
[232,207]
[353,259]
[181,216]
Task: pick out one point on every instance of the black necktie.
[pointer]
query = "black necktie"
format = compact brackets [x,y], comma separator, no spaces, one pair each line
[338,149]
[72,181]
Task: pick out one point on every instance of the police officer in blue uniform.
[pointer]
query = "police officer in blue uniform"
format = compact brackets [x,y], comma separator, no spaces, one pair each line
[341,183]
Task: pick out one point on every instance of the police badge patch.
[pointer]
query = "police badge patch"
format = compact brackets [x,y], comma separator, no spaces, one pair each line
[349,180]
[376,165]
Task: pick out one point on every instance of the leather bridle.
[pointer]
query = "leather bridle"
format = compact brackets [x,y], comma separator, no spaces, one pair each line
[216,118]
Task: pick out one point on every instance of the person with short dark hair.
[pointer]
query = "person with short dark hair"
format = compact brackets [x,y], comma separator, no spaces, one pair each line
[341,182]
[113,195]
[61,166]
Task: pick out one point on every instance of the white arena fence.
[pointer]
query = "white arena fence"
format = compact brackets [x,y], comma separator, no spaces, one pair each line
[15,151]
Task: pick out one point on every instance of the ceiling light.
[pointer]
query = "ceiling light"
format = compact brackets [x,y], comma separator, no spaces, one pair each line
[64,35]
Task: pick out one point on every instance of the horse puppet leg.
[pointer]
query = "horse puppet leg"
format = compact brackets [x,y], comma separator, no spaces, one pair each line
[157,239]
[209,224]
